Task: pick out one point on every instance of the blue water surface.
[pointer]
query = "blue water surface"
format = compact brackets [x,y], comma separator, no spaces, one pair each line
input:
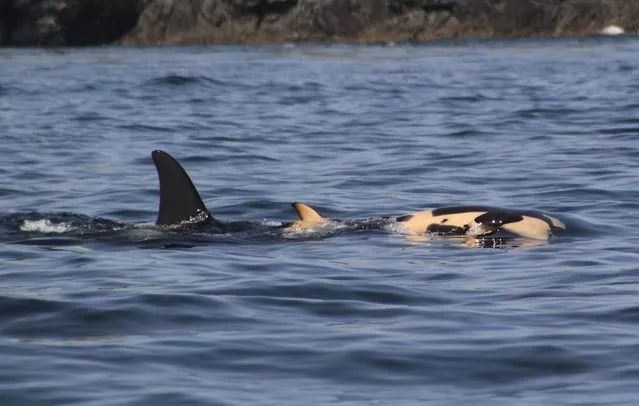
[98,307]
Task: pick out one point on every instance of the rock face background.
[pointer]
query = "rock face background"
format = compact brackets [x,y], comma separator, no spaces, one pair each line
[92,22]
[66,22]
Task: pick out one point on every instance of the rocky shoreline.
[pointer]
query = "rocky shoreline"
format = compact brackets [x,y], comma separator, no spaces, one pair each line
[151,22]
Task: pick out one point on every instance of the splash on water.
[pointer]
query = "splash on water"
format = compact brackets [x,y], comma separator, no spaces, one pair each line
[45,226]
[319,230]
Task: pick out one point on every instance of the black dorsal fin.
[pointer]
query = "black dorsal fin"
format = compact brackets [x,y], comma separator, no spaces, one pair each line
[179,200]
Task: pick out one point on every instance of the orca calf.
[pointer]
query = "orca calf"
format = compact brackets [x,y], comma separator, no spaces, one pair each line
[181,206]
[482,221]
[311,220]
[455,221]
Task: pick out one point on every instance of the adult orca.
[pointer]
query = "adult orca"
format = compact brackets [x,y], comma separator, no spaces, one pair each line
[182,208]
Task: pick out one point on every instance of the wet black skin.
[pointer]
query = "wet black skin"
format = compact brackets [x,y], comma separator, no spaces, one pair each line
[179,200]
[493,215]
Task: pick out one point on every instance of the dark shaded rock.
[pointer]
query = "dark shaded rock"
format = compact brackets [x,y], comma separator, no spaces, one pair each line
[177,21]
[67,22]
[195,21]
[349,17]
[261,6]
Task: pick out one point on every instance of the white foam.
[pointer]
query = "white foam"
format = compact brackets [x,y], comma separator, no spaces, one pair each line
[44,226]
[396,228]
[199,217]
[270,223]
[322,229]
[612,30]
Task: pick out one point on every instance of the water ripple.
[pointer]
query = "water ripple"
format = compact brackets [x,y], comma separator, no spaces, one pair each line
[97,306]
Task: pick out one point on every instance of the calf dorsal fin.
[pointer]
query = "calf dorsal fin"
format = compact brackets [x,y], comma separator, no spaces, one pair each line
[307,213]
[179,200]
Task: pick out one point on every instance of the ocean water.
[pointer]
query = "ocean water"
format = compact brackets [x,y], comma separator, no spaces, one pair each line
[99,307]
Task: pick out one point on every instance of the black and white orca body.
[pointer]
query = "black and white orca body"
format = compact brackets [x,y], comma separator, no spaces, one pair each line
[453,221]
[482,221]
[182,207]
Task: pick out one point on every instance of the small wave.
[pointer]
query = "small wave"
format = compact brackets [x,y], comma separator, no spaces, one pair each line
[396,228]
[320,230]
[44,226]
[270,223]
[199,218]
[89,117]
[145,128]
[181,80]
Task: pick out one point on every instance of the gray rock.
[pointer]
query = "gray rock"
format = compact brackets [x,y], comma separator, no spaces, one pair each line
[85,22]
[239,21]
